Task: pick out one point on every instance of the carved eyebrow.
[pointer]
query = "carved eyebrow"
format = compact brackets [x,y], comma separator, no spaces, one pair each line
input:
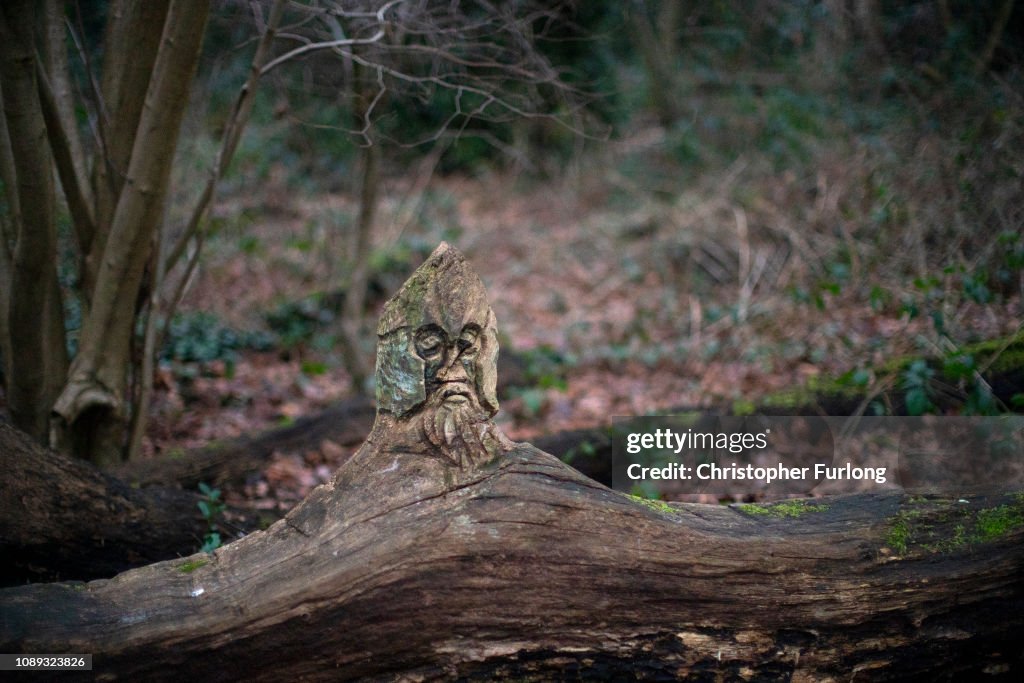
[429,330]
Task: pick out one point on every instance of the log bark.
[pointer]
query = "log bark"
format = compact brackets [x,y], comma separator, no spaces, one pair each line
[442,550]
[60,518]
[404,567]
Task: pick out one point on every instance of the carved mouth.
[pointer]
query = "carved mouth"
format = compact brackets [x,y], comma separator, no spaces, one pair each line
[455,393]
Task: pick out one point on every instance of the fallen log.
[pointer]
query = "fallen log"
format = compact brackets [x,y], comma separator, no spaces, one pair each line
[526,569]
[61,518]
[441,550]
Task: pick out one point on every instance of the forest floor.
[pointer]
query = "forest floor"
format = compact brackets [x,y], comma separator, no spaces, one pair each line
[625,295]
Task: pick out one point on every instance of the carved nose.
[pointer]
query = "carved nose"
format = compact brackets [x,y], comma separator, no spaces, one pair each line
[453,371]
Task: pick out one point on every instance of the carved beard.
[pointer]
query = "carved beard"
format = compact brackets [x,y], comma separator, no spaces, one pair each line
[455,428]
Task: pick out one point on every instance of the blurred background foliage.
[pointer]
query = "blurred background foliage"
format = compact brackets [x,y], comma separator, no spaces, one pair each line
[778,160]
[890,134]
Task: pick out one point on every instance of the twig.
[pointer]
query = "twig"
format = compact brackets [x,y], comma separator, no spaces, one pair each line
[99,129]
[75,189]
[996,35]
[332,44]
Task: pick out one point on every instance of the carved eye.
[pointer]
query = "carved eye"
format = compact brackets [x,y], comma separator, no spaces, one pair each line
[429,344]
[468,341]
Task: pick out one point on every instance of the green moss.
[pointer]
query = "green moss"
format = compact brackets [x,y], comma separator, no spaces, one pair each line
[811,394]
[942,526]
[898,536]
[999,521]
[192,565]
[1009,358]
[742,407]
[656,505]
[789,508]
[996,355]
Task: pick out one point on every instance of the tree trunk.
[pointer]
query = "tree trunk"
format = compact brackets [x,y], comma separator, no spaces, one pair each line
[92,410]
[60,518]
[38,355]
[353,318]
[407,567]
[658,46]
[135,28]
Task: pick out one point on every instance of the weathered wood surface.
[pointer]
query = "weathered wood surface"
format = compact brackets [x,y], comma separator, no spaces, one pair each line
[523,567]
[441,550]
[61,518]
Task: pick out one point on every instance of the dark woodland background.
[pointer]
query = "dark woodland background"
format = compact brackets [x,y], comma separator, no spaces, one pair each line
[763,206]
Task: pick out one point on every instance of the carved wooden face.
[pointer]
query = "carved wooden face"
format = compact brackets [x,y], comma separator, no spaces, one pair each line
[438,334]
[449,364]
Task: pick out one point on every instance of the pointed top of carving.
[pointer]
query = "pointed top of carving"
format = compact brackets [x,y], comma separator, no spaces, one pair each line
[444,291]
[442,248]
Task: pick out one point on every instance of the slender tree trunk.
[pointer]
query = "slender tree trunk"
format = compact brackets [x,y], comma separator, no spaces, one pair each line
[8,222]
[92,405]
[136,28]
[658,47]
[62,126]
[353,315]
[38,356]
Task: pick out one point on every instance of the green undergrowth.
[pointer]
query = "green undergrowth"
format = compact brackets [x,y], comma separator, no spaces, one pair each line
[929,526]
[994,355]
[789,508]
[916,388]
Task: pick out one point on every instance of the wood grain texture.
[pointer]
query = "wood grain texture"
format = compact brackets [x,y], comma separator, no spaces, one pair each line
[404,566]
[60,518]
[442,550]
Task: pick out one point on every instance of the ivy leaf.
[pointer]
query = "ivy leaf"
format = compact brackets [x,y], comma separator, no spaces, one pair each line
[917,401]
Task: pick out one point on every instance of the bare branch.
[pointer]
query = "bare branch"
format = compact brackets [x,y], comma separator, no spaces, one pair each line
[101,123]
[994,36]
[333,44]
[10,181]
[75,187]
[140,415]
[56,54]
